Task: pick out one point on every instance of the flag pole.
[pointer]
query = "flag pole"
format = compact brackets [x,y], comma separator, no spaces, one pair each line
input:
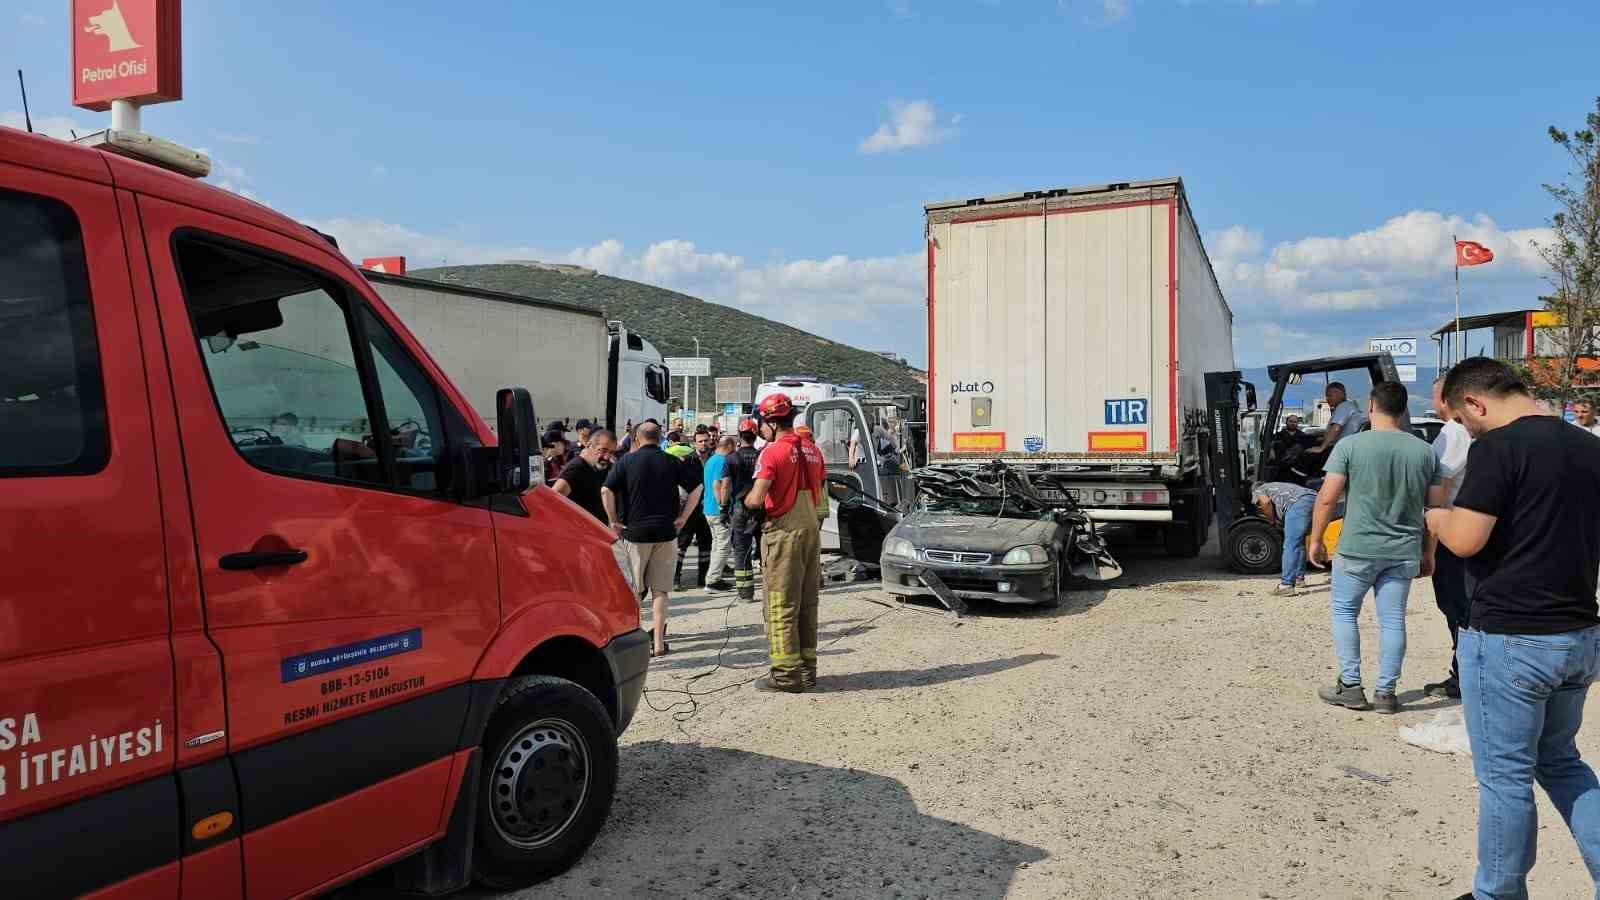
[1455,254]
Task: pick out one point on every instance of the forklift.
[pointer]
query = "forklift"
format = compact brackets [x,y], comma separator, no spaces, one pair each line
[1251,544]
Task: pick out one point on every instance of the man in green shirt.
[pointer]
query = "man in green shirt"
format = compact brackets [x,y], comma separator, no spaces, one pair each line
[1390,475]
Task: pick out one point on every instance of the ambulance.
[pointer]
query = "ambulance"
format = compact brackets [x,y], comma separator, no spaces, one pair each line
[278,610]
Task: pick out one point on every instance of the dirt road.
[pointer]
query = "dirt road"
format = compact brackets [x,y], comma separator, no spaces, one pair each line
[1160,738]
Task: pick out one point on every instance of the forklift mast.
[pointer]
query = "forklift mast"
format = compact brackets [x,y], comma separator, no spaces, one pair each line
[1223,411]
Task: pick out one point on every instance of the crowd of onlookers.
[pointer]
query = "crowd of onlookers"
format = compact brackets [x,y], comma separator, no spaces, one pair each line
[1501,513]
[664,489]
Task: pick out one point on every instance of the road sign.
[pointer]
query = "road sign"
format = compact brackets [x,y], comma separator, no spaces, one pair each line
[686,366]
[1408,373]
[1394,346]
[733,390]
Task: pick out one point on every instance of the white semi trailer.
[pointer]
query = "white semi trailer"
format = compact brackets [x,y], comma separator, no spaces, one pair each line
[1069,331]
[576,364]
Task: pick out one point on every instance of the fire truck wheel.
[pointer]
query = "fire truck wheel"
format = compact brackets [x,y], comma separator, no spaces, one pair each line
[549,774]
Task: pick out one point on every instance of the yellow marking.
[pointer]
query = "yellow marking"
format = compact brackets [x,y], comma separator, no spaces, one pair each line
[978,440]
[211,826]
[1114,441]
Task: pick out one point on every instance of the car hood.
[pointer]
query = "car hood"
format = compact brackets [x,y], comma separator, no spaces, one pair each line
[978,534]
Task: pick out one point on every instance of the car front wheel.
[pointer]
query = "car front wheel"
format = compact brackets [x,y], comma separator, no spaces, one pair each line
[550,772]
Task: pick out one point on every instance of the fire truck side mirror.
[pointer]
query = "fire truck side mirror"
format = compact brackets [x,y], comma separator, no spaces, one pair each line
[516,425]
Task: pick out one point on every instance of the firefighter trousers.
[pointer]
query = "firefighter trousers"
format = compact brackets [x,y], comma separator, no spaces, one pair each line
[791,569]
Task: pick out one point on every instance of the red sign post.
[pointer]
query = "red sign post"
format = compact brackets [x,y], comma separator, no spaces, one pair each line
[126,50]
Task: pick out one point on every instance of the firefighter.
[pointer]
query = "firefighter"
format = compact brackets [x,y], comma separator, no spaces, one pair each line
[789,486]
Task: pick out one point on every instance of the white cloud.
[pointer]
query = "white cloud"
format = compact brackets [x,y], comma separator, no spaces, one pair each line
[602,257]
[1372,268]
[378,173]
[55,126]
[914,124]
[1233,243]
[1114,10]
[865,302]
[901,9]
[29,20]
[1339,289]
[362,237]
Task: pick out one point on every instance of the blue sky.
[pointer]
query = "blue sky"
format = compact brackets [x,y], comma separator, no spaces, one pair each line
[777,158]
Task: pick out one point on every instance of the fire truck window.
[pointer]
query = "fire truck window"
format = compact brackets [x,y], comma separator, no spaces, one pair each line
[277,346]
[52,402]
[412,406]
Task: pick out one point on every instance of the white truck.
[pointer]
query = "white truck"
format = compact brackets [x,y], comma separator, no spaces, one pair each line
[576,364]
[1069,332]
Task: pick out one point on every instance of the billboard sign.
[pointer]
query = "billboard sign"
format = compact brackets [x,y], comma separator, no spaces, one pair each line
[693,366]
[733,390]
[1394,346]
[389,265]
[126,50]
[1407,373]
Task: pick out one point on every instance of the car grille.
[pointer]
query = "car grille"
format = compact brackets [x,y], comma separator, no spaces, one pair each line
[957,557]
[970,584]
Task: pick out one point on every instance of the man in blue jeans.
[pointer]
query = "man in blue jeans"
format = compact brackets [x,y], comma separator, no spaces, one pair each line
[1389,475]
[1527,521]
[1289,507]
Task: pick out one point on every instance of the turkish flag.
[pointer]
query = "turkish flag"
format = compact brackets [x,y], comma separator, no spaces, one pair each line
[1472,253]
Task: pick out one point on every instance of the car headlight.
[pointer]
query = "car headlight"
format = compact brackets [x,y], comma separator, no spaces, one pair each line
[899,547]
[619,552]
[1030,554]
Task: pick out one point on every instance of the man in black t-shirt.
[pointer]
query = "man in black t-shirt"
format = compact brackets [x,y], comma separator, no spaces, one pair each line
[582,478]
[1526,522]
[644,508]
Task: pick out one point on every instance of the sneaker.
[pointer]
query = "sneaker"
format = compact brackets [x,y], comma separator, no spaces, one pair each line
[1449,687]
[716,587]
[1285,590]
[1300,582]
[766,686]
[1349,696]
[1385,702]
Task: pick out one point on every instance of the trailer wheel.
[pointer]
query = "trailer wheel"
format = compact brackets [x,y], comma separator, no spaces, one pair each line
[1253,547]
[549,775]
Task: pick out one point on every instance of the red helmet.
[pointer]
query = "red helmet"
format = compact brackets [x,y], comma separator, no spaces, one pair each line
[775,406]
[749,426]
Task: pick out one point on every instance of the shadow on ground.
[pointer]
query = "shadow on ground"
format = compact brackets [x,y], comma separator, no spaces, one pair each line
[696,821]
[890,679]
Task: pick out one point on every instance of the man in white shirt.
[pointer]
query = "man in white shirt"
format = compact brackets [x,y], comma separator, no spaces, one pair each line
[1451,590]
[1586,418]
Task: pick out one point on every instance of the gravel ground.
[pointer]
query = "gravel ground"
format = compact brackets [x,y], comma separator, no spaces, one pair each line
[1157,738]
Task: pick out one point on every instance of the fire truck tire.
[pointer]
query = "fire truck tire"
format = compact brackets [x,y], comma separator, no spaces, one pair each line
[549,776]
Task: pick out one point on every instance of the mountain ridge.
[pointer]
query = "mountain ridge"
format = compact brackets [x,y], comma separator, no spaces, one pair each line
[737,342]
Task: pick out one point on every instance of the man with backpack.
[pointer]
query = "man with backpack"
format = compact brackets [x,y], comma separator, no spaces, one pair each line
[744,524]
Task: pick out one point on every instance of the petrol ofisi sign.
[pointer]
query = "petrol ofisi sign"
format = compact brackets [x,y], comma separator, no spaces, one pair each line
[126,50]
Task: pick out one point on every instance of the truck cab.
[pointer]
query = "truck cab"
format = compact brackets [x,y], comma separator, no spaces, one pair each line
[638,380]
[280,609]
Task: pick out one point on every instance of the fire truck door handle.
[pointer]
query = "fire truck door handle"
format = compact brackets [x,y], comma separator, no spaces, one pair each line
[238,562]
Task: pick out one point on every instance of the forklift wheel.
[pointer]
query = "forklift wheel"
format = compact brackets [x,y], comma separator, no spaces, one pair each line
[1253,547]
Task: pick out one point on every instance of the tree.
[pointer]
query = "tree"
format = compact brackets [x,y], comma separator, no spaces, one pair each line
[1574,256]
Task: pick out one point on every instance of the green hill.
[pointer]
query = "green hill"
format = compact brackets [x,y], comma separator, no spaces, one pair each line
[738,343]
